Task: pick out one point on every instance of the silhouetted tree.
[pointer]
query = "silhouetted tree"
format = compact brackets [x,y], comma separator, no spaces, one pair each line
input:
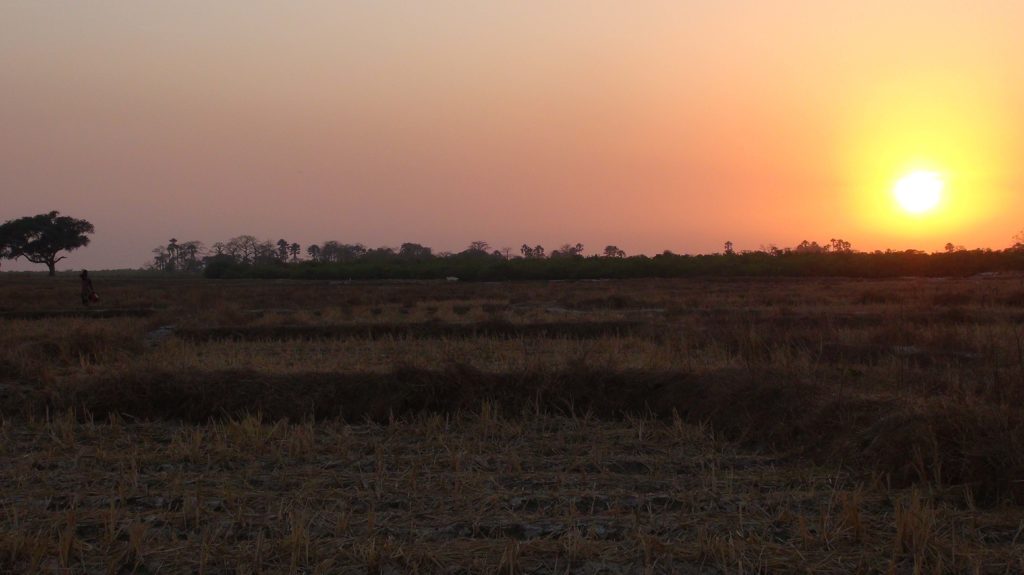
[178,256]
[806,247]
[330,251]
[282,250]
[40,238]
[729,250]
[536,252]
[189,256]
[244,249]
[840,246]
[266,253]
[161,260]
[351,252]
[314,252]
[1018,240]
[381,254]
[613,252]
[172,254]
[568,251]
[336,252]
[414,251]
[478,246]
[295,249]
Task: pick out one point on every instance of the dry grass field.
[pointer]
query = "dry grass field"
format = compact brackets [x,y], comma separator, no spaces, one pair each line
[646,426]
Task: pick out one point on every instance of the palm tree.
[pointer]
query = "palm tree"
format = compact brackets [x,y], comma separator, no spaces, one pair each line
[172,253]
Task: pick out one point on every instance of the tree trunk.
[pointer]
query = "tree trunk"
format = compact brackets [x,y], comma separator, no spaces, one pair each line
[53,267]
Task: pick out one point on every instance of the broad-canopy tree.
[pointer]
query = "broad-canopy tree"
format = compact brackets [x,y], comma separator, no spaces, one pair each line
[614,252]
[40,238]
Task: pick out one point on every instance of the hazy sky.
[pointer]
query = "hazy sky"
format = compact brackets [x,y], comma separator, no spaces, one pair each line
[649,125]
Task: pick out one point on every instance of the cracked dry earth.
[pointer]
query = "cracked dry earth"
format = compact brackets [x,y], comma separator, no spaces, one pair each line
[476,493]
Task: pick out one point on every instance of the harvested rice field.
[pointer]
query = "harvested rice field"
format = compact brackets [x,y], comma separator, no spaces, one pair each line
[641,426]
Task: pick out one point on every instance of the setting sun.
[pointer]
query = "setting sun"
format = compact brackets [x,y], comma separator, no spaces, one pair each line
[919,192]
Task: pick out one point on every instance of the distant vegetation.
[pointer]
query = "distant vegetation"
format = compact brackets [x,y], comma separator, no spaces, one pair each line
[247,257]
[42,238]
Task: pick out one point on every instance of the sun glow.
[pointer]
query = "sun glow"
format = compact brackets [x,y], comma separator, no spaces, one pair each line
[895,134]
[919,192]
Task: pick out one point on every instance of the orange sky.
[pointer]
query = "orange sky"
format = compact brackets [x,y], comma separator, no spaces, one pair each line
[649,125]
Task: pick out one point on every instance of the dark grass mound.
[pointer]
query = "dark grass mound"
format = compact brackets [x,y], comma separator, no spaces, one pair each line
[422,330]
[849,320]
[942,441]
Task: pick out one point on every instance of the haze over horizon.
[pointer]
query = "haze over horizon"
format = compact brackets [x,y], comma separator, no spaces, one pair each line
[666,125]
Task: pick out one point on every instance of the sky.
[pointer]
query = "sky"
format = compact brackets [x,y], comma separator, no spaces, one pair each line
[648,125]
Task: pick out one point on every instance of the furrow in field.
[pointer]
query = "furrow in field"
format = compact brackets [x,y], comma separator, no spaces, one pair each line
[908,437]
[487,329]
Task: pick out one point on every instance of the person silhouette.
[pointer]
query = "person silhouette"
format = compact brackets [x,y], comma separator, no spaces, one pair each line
[88,293]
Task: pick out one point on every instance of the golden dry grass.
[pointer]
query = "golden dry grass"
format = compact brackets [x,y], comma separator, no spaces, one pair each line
[827,426]
[477,492]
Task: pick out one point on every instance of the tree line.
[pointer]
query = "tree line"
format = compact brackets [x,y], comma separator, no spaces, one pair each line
[42,238]
[247,257]
[247,250]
